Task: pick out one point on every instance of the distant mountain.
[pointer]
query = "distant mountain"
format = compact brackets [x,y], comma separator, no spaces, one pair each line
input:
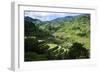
[29,19]
[62,20]
[66,18]
[58,21]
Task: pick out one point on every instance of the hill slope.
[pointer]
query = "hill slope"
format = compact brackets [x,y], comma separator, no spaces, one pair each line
[61,38]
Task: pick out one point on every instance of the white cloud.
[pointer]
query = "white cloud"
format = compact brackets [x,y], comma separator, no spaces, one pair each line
[45,16]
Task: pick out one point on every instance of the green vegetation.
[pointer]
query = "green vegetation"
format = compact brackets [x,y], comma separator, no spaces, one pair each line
[58,39]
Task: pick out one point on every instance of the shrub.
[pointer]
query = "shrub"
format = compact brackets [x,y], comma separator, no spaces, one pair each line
[30,44]
[33,56]
[77,51]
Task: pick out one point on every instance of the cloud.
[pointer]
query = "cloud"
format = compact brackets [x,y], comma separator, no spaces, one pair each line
[47,16]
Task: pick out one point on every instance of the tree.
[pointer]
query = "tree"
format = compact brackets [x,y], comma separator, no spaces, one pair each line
[77,51]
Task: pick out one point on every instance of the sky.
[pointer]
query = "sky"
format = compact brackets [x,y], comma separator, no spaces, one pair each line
[47,16]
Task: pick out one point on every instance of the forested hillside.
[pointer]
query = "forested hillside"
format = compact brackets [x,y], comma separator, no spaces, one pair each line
[62,38]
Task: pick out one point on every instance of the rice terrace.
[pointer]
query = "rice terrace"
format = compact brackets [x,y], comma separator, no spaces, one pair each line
[56,36]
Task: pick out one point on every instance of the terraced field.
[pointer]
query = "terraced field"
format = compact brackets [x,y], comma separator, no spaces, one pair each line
[58,39]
